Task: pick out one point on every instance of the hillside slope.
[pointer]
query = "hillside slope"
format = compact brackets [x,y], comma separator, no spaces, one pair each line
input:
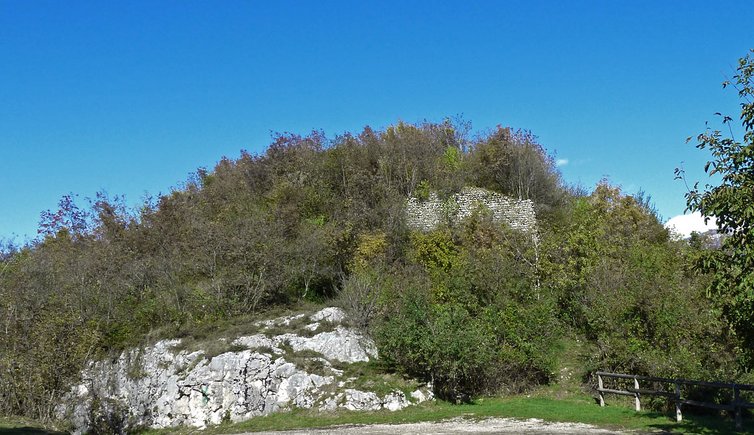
[476,303]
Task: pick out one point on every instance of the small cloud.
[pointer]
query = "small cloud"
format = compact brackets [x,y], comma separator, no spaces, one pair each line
[561,162]
[683,225]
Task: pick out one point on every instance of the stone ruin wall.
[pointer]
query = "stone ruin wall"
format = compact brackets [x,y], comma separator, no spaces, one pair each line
[426,215]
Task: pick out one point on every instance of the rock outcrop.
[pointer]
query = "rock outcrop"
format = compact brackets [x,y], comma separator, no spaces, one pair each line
[164,386]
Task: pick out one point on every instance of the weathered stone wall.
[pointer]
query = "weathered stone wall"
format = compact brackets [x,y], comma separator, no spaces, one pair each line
[426,215]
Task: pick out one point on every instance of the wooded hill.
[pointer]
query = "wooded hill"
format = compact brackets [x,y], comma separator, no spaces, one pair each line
[477,308]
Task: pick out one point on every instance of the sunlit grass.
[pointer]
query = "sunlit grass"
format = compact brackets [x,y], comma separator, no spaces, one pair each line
[575,409]
[21,426]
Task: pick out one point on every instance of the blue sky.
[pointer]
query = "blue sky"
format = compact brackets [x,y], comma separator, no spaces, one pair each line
[130,97]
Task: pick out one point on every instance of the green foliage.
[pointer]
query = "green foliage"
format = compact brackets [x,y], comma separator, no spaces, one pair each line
[423,190]
[361,294]
[514,163]
[451,159]
[732,203]
[467,316]
[107,417]
[474,308]
[623,283]
[32,374]
[435,250]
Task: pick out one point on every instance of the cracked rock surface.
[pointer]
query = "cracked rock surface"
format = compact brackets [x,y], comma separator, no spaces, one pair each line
[160,386]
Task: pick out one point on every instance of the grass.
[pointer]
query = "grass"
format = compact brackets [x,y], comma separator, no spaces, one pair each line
[577,410]
[215,337]
[566,400]
[373,376]
[306,360]
[195,336]
[24,426]
[580,409]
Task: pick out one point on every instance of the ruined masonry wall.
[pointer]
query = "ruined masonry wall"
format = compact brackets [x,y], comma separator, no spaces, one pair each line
[429,214]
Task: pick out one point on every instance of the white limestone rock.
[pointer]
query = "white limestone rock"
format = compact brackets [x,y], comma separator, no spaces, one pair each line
[329,314]
[356,400]
[420,395]
[257,341]
[395,401]
[280,321]
[161,386]
[331,403]
[343,345]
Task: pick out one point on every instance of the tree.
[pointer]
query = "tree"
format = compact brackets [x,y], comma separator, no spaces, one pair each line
[732,203]
[514,163]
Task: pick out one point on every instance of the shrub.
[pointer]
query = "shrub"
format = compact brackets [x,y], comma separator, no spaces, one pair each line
[468,316]
[360,295]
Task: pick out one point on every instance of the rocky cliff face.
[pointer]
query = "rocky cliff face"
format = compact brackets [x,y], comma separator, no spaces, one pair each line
[163,386]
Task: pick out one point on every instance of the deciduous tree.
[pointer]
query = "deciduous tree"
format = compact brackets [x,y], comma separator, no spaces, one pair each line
[732,203]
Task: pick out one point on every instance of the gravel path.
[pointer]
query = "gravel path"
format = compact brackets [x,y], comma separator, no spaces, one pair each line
[455,426]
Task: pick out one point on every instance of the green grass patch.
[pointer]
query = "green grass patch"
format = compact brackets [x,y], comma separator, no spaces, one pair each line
[306,360]
[375,377]
[24,426]
[565,400]
[215,338]
[577,410]
[194,336]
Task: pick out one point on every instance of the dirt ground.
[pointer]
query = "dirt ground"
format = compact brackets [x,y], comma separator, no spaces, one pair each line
[456,426]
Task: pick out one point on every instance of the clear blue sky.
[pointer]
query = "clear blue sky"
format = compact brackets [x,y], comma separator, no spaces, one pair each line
[130,97]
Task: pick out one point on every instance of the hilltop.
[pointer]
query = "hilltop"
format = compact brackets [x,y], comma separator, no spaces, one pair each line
[475,304]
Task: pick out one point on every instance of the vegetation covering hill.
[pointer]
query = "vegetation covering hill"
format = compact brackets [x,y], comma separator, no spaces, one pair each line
[474,307]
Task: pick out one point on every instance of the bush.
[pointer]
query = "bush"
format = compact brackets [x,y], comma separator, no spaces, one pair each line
[624,284]
[360,295]
[468,316]
[465,353]
[475,308]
